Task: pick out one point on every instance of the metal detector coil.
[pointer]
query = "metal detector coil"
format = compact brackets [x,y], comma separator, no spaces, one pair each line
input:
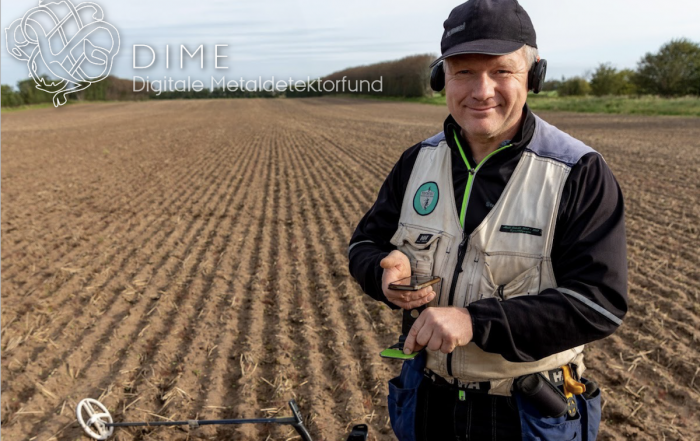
[99,423]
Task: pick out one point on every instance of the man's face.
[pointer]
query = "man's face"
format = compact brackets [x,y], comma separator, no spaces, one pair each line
[486,93]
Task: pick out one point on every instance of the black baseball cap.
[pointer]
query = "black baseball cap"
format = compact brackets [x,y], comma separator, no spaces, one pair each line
[493,27]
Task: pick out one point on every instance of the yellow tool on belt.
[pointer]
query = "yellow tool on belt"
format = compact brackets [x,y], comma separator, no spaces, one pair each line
[571,388]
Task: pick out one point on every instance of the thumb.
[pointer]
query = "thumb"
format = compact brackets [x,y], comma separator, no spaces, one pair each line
[392,260]
[410,345]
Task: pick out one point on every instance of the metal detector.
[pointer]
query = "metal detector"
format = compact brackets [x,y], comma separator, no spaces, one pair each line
[97,422]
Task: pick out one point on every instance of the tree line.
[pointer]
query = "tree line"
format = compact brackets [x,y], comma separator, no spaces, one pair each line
[109,89]
[407,77]
[672,71]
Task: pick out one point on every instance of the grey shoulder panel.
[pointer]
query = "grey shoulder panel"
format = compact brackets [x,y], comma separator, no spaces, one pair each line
[434,140]
[550,142]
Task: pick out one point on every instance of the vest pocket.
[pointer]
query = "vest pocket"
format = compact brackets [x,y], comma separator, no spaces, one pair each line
[420,245]
[506,276]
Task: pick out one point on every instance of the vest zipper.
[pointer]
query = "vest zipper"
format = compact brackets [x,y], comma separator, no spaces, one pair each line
[471,279]
[465,202]
[465,238]
[461,253]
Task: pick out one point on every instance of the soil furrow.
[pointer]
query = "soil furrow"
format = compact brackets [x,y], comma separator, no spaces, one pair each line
[111,332]
[178,368]
[364,344]
[350,403]
[110,305]
[136,203]
[142,238]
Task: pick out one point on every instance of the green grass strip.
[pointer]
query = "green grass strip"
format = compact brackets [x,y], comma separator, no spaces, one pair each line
[627,105]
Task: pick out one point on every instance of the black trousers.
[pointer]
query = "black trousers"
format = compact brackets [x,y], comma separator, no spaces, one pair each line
[443,414]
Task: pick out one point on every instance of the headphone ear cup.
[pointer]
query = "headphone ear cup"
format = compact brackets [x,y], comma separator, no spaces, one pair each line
[536,76]
[437,77]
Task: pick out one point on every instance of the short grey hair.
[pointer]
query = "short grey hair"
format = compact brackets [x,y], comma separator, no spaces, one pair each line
[531,55]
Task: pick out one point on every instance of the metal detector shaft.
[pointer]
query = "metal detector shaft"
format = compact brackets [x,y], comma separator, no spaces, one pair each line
[286,420]
[295,421]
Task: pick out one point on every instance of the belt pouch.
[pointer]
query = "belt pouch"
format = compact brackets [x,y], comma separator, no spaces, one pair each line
[403,397]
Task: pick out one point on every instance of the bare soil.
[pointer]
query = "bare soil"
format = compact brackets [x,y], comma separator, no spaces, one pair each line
[187,259]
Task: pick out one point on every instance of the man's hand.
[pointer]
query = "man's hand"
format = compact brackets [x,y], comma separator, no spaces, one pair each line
[440,329]
[397,266]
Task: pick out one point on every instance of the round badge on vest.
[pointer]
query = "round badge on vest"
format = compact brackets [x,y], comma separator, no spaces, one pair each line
[426,198]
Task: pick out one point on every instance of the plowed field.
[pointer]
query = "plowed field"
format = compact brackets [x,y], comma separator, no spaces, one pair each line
[187,259]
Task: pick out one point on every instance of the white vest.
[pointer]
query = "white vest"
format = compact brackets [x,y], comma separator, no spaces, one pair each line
[508,254]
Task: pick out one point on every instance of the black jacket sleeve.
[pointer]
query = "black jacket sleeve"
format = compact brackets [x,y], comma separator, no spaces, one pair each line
[590,267]
[370,242]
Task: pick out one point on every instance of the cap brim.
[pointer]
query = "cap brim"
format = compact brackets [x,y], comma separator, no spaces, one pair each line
[487,47]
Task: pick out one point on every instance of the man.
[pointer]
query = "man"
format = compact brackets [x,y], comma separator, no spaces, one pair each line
[525,226]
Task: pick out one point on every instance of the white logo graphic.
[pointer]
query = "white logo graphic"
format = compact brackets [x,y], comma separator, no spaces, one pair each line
[60,40]
[426,198]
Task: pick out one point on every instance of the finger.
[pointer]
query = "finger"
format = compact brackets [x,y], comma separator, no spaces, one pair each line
[425,336]
[410,296]
[410,343]
[420,302]
[402,296]
[435,342]
[447,347]
[420,294]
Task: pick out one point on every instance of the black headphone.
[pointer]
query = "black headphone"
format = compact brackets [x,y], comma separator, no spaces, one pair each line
[535,77]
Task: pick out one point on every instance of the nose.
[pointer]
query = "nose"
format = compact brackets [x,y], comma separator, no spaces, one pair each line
[483,87]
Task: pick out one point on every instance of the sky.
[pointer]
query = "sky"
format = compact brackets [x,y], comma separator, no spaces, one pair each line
[312,38]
